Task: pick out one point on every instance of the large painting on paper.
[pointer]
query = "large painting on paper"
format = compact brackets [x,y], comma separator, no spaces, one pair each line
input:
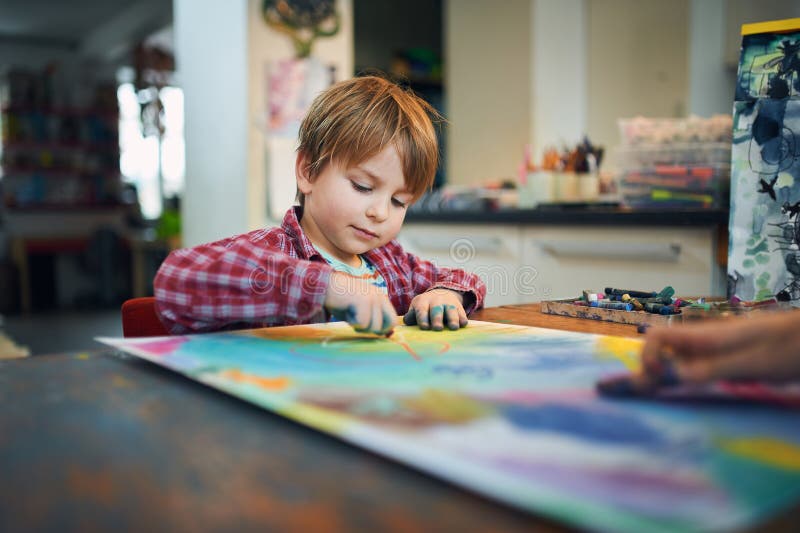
[511,412]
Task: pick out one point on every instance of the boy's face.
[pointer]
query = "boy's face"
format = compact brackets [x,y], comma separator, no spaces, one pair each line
[349,211]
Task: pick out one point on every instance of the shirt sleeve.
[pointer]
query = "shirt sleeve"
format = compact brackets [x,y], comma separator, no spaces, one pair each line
[425,275]
[243,281]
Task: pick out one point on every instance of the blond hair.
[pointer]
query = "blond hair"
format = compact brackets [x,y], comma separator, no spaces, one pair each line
[355,119]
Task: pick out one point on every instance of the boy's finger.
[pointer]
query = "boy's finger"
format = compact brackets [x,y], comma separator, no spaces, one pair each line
[376,320]
[451,316]
[437,317]
[462,317]
[410,318]
[360,319]
[388,322]
[422,317]
[347,314]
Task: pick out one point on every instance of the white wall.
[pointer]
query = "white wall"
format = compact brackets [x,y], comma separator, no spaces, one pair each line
[637,63]
[517,72]
[559,68]
[487,76]
[545,72]
[211,63]
[748,11]
[711,80]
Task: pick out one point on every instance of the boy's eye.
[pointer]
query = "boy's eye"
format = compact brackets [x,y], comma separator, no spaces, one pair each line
[398,203]
[359,187]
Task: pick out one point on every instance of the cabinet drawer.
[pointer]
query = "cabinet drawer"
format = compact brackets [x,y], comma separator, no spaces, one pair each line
[491,252]
[569,260]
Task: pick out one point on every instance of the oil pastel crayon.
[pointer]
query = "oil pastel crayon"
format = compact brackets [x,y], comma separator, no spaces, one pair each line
[669,387]
[619,306]
[633,294]
[666,292]
[628,385]
[660,309]
[663,300]
[592,296]
[756,303]
[633,301]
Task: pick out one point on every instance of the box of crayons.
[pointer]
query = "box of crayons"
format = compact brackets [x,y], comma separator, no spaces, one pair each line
[624,306]
[651,307]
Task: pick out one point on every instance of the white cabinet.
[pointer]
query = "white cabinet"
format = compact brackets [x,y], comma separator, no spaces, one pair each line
[570,259]
[490,251]
[523,263]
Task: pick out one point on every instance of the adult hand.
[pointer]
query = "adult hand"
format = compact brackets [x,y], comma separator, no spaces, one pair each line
[763,347]
[436,308]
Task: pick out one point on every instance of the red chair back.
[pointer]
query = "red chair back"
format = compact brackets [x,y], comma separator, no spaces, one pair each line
[139,318]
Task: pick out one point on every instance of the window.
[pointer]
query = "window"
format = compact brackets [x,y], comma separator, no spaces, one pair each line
[153,163]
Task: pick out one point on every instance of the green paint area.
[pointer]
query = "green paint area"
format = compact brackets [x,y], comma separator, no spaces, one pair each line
[760,247]
[753,481]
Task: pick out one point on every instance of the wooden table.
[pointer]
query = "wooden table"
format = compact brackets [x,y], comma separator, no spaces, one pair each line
[530,315]
[107,442]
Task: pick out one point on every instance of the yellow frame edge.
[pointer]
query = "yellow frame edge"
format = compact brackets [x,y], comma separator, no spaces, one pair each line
[772,26]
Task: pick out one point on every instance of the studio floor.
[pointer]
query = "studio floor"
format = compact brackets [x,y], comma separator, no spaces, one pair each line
[62,331]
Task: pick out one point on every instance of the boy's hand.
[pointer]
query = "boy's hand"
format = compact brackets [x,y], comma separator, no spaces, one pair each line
[436,308]
[360,304]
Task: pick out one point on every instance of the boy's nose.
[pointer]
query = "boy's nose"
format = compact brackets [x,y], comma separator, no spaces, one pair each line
[378,210]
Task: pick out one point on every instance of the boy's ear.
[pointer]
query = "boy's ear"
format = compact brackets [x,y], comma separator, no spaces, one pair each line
[301,173]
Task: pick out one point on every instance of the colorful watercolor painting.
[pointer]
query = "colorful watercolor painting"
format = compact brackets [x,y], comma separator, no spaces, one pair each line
[764,251]
[511,412]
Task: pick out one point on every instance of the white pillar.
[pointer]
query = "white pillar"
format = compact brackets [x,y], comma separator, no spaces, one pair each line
[211,63]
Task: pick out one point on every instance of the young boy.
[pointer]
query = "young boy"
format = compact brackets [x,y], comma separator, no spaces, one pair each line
[367,152]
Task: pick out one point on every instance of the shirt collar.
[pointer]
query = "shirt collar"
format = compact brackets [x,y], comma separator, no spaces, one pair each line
[291,225]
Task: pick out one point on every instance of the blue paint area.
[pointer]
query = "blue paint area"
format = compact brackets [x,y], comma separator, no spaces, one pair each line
[596,426]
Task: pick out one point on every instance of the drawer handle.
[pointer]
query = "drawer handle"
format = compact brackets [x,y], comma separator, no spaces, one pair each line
[666,253]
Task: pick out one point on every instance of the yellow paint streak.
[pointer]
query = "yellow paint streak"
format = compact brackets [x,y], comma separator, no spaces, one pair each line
[622,348]
[271,384]
[82,356]
[317,417]
[770,451]
[302,332]
[446,406]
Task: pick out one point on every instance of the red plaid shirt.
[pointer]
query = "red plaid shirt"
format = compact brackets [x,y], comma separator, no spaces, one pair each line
[275,276]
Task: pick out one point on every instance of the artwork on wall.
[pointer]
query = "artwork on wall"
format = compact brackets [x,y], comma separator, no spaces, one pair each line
[764,251]
[511,412]
[291,86]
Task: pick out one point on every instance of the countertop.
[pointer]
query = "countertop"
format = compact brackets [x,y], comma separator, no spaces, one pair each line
[576,215]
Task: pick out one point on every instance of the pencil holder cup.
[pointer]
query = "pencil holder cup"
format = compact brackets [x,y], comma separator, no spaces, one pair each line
[538,189]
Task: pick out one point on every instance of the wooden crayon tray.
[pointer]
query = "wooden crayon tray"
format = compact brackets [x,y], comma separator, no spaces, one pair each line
[567,308]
